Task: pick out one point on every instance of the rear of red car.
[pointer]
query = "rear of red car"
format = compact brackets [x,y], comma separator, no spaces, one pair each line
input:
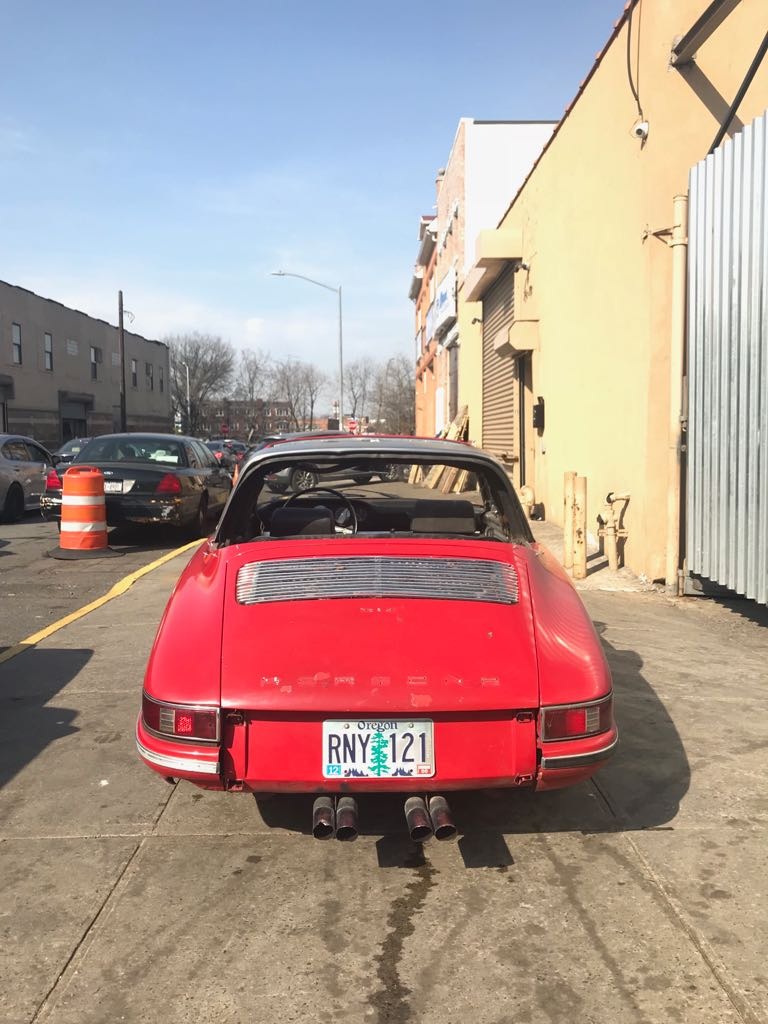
[434,683]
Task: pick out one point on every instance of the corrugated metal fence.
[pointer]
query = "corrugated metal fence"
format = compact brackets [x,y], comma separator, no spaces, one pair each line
[727,479]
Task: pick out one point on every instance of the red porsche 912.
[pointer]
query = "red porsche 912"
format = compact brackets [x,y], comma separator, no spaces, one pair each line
[372,635]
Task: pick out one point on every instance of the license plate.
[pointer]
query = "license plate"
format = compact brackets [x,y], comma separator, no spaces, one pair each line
[372,749]
[113,486]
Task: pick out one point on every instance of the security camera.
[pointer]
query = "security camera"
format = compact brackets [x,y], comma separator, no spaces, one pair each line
[640,130]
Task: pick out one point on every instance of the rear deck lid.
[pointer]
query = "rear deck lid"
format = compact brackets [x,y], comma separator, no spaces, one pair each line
[361,626]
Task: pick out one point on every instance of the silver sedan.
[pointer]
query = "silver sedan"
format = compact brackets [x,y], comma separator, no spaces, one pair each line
[24,467]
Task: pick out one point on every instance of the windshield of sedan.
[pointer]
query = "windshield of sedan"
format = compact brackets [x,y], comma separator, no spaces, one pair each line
[133,448]
[348,495]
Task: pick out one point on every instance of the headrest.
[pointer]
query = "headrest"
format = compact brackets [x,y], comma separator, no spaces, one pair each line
[297,521]
[435,516]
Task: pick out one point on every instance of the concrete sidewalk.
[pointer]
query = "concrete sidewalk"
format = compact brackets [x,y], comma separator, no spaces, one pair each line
[641,898]
[599,576]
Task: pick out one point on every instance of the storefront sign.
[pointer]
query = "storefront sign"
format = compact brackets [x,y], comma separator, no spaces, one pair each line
[445,302]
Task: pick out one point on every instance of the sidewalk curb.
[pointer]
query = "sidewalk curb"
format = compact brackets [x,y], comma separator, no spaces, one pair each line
[119,588]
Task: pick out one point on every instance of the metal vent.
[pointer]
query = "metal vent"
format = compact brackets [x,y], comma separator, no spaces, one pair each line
[444,579]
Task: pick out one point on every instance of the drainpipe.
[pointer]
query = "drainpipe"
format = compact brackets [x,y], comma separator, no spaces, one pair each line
[679,246]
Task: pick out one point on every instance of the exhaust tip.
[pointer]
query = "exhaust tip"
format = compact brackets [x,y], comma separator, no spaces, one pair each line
[417,819]
[442,819]
[347,829]
[323,818]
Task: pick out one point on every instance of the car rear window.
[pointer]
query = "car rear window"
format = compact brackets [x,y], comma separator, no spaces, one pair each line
[376,497]
[133,449]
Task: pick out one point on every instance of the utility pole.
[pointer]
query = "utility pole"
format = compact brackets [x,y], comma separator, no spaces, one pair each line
[341,368]
[189,406]
[121,344]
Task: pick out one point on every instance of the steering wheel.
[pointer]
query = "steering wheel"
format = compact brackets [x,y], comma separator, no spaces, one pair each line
[326,490]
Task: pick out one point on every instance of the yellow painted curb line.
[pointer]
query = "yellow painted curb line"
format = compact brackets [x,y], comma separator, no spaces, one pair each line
[119,588]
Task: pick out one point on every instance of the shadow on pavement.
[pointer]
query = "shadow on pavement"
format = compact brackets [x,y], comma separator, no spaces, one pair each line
[147,538]
[27,725]
[640,788]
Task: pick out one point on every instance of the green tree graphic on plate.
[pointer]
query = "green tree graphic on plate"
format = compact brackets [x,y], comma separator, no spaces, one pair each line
[378,763]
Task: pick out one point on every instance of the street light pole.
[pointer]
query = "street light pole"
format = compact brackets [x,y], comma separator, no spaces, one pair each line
[121,347]
[330,288]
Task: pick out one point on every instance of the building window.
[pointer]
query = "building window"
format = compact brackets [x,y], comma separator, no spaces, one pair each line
[48,351]
[161,380]
[134,374]
[16,343]
[149,370]
[95,360]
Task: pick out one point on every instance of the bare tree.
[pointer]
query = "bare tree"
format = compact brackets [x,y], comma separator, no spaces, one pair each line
[288,387]
[299,385]
[394,396]
[254,372]
[210,363]
[314,380]
[359,378]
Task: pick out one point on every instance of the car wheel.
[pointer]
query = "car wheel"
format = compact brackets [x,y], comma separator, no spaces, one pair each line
[392,473]
[200,522]
[13,507]
[303,480]
[363,478]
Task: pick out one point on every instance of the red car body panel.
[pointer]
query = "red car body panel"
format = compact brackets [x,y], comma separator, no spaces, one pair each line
[377,656]
[185,664]
[572,665]
[282,753]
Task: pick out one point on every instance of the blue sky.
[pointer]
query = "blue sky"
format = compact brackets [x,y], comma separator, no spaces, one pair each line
[183,150]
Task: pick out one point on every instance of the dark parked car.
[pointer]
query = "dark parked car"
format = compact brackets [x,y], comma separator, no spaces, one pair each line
[222,453]
[299,478]
[24,466]
[68,451]
[151,478]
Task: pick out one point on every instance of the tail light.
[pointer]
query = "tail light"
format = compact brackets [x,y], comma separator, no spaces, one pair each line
[170,484]
[180,721]
[53,481]
[570,721]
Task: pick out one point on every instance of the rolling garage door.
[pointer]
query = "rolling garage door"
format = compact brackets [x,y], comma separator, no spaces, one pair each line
[500,384]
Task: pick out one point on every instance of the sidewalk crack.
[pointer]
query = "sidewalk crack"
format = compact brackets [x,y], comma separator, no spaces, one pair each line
[104,908]
[79,945]
[733,992]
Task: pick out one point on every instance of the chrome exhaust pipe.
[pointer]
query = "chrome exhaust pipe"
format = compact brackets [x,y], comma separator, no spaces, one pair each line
[323,818]
[442,819]
[346,819]
[417,819]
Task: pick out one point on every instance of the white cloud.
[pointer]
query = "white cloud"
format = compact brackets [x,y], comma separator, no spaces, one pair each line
[254,326]
[14,141]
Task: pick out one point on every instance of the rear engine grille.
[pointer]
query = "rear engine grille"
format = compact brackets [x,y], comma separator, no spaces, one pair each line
[445,579]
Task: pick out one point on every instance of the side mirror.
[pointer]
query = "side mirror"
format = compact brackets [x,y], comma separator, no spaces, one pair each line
[55,459]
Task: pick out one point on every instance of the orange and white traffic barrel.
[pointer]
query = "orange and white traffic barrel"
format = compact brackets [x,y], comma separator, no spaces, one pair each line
[83,515]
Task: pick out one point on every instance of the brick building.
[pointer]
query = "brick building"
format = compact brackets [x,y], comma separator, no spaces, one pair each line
[60,372]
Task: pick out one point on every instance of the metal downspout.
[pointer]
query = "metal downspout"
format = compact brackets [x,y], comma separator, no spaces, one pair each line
[679,246]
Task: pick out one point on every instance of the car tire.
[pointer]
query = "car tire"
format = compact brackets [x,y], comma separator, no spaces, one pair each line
[303,480]
[200,522]
[392,473]
[363,478]
[13,506]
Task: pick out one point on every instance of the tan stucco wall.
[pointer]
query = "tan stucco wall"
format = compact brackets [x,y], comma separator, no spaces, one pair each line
[599,284]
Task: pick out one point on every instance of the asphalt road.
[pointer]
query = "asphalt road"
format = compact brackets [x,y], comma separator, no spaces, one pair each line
[36,590]
[642,897]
